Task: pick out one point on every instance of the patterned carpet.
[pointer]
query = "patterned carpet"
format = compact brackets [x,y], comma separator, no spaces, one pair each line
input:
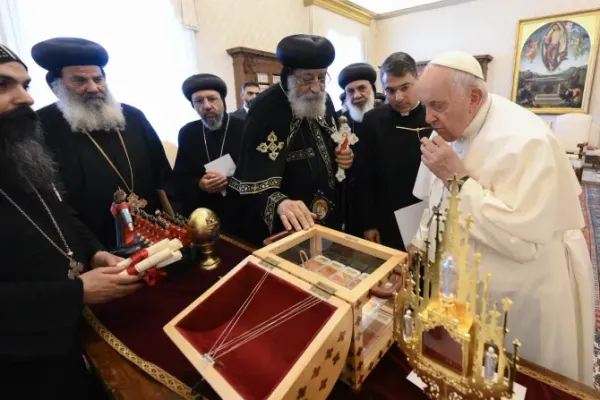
[590,203]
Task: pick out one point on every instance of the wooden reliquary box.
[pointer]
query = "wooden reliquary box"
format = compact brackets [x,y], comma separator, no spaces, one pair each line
[290,320]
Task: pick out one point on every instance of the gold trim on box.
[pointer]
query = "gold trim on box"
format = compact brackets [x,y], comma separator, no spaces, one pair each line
[153,370]
[344,9]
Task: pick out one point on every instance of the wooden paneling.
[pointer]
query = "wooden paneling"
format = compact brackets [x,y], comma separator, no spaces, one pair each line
[253,65]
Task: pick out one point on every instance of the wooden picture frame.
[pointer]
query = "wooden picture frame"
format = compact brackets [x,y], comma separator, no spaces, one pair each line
[555,60]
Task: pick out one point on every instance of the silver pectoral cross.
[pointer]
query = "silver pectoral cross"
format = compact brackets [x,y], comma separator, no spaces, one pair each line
[75,267]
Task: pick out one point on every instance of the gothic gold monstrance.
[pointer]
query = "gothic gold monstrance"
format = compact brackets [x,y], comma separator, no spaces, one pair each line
[452,337]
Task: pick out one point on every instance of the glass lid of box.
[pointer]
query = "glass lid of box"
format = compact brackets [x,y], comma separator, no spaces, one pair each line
[341,264]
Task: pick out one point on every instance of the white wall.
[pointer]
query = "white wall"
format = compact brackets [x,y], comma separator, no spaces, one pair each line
[261,24]
[352,41]
[477,27]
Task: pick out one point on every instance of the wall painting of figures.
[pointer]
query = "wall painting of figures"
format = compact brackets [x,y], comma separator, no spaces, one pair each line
[555,59]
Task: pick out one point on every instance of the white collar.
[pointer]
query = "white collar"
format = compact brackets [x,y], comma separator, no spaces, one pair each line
[407,113]
[245,108]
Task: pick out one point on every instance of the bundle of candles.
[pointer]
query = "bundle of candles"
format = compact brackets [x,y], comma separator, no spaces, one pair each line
[149,261]
[153,229]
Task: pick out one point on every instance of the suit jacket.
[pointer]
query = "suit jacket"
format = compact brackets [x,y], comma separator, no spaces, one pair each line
[240,113]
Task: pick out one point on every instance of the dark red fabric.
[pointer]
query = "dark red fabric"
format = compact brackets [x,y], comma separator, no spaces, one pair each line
[278,349]
[138,322]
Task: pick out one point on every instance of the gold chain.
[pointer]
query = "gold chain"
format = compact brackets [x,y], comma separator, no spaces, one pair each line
[111,163]
[418,130]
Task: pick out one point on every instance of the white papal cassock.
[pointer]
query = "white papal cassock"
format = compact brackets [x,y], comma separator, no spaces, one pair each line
[527,220]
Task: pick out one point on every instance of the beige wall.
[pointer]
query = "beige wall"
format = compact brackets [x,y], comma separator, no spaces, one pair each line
[258,24]
[478,27]
[261,24]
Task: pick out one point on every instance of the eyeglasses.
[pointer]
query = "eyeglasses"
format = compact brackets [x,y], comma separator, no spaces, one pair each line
[211,100]
[322,80]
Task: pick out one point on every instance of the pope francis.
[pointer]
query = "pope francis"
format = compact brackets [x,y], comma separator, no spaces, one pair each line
[522,194]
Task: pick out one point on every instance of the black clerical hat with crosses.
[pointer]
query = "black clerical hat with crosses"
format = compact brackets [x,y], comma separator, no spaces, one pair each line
[7,55]
[56,53]
[357,72]
[203,82]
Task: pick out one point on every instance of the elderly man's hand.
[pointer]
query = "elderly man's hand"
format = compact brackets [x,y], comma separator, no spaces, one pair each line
[441,159]
[295,215]
[344,158]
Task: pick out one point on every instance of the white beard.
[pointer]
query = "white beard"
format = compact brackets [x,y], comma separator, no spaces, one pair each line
[358,113]
[92,115]
[309,105]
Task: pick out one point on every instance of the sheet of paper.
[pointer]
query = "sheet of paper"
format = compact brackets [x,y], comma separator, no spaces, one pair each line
[223,165]
[408,219]
[520,390]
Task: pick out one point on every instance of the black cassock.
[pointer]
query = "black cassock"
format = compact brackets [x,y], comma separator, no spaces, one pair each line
[89,179]
[40,352]
[391,157]
[284,157]
[189,168]
[355,224]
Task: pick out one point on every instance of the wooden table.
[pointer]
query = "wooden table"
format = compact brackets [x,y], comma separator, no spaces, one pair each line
[124,380]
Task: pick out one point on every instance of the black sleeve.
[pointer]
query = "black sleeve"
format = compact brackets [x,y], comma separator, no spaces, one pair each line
[259,173]
[162,174]
[186,177]
[39,318]
[88,241]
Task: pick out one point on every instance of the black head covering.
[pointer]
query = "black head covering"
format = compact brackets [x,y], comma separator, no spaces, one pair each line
[356,72]
[380,96]
[305,52]
[203,82]
[7,55]
[343,97]
[55,54]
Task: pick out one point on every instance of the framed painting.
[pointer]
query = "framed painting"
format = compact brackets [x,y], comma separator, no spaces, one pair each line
[555,58]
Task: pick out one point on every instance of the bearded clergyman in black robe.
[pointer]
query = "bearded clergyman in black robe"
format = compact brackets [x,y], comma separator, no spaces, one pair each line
[288,160]
[213,136]
[101,145]
[358,82]
[46,252]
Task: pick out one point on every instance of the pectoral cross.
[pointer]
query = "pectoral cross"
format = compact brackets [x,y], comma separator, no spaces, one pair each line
[75,267]
[136,203]
[344,137]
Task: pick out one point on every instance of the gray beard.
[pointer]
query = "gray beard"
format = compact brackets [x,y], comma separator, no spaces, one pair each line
[24,159]
[98,113]
[357,113]
[309,105]
[213,123]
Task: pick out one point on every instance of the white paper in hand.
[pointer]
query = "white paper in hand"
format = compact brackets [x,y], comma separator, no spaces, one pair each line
[408,220]
[223,165]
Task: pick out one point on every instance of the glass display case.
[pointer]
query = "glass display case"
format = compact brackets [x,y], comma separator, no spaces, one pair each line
[361,273]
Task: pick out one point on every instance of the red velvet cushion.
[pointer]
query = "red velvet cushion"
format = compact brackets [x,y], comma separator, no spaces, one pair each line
[256,368]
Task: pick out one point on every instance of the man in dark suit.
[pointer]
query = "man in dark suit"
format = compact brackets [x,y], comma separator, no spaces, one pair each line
[250,90]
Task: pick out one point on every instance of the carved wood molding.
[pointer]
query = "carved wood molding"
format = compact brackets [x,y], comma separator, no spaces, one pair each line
[248,63]
[345,9]
[483,59]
